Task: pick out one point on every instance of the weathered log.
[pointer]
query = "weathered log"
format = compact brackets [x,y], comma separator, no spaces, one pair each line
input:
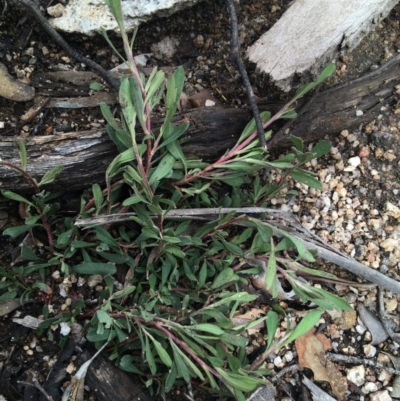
[110,383]
[86,155]
[334,28]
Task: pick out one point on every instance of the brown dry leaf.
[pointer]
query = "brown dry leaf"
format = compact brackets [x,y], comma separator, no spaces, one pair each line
[251,315]
[311,351]
[183,103]
[3,218]
[200,99]
[75,389]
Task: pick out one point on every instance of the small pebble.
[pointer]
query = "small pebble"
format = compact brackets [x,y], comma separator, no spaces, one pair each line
[369,350]
[356,374]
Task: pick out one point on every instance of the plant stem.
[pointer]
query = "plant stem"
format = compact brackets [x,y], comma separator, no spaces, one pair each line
[135,73]
[187,349]
[26,175]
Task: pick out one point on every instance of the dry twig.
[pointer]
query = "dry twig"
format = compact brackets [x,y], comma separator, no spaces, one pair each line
[288,224]
[235,56]
[361,361]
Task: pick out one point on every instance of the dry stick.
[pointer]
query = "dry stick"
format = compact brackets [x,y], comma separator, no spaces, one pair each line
[35,383]
[32,6]
[330,254]
[386,322]
[360,361]
[309,240]
[235,56]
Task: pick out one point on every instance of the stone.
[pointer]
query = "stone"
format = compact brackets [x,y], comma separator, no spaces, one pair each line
[56,11]
[392,210]
[92,16]
[13,89]
[380,396]
[356,375]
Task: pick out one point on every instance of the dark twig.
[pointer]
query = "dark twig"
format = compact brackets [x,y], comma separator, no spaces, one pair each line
[386,322]
[235,56]
[288,369]
[361,361]
[35,383]
[33,8]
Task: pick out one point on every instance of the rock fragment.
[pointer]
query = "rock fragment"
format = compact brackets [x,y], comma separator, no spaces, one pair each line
[13,89]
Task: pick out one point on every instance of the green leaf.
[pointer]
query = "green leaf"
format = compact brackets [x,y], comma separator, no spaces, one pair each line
[108,115]
[22,154]
[243,382]
[298,142]
[128,364]
[336,301]
[234,339]
[125,157]
[302,176]
[15,197]
[122,293]
[96,86]
[104,318]
[51,175]
[16,231]
[104,236]
[154,83]
[301,248]
[190,365]
[98,196]
[149,357]
[271,322]
[327,72]
[208,328]
[162,353]
[251,126]
[232,247]
[94,268]
[289,114]
[321,148]
[164,169]
[170,378]
[223,278]
[305,325]
[28,254]
[137,99]
[115,8]
[180,364]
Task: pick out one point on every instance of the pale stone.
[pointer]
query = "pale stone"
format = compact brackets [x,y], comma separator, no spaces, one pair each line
[356,375]
[92,16]
[392,210]
[13,89]
[56,11]
[369,387]
[390,244]
[380,396]
[354,161]
[94,280]
[369,350]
